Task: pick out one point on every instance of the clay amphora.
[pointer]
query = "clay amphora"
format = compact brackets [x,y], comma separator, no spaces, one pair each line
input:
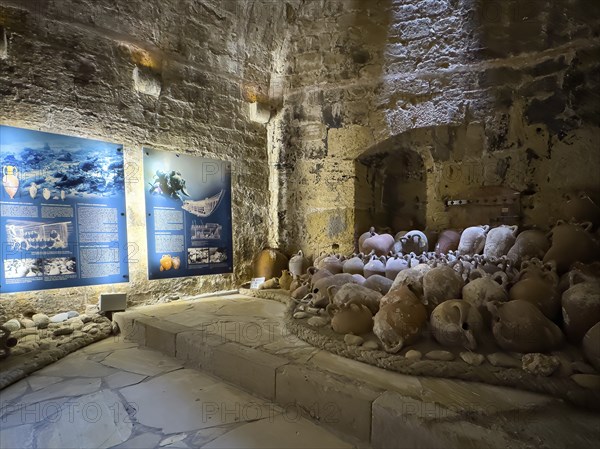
[571,243]
[320,296]
[359,278]
[316,275]
[447,241]
[395,265]
[456,323]
[412,278]
[285,280]
[355,294]
[361,240]
[380,244]
[538,284]
[376,265]
[331,262]
[269,263]
[415,242]
[519,326]
[529,244]
[378,283]
[350,318]
[483,288]
[499,241]
[399,324]
[397,294]
[354,265]
[580,208]
[591,346]
[298,264]
[580,306]
[440,284]
[301,291]
[272,283]
[472,240]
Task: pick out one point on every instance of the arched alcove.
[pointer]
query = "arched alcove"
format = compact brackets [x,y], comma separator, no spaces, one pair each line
[391,187]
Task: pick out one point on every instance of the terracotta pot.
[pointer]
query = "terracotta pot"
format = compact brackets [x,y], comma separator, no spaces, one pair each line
[354,265]
[472,240]
[499,241]
[397,294]
[376,265]
[317,275]
[298,264]
[414,242]
[350,319]
[571,243]
[285,280]
[355,294]
[395,265]
[519,326]
[413,279]
[269,263]
[580,306]
[580,208]
[378,283]
[301,291]
[363,237]
[332,263]
[483,289]
[399,324]
[529,244]
[320,296]
[447,241]
[456,323]
[270,284]
[591,346]
[380,244]
[440,284]
[538,284]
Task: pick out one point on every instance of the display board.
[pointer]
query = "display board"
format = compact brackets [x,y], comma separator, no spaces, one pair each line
[188,215]
[62,211]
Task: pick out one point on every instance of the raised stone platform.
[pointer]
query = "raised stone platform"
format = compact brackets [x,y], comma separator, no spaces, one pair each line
[243,340]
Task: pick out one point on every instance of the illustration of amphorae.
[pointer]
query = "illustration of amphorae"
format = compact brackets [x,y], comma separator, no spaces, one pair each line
[10,180]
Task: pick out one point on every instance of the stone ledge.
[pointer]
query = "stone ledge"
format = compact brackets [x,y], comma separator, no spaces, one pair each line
[374,405]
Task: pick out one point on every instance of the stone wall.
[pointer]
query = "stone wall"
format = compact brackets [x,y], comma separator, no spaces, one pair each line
[176,75]
[486,92]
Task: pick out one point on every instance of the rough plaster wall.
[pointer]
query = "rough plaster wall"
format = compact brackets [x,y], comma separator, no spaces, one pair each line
[171,75]
[500,92]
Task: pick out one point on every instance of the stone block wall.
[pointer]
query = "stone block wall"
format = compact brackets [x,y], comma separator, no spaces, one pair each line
[172,75]
[486,92]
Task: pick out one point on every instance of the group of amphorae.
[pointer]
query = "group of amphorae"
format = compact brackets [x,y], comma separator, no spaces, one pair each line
[527,291]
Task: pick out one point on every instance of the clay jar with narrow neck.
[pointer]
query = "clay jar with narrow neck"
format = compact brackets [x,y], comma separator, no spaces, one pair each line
[400,323]
[298,264]
[580,306]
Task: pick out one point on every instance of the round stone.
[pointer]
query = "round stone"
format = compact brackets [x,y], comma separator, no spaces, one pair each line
[27,323]
[41,320]
[589,381]
[370,345]
[72,314]
[412,354]
[472,358]
[12,325]
[301,315]
[318,321]
[353,340]
[504,360]
[63,331]
[59,317]
[441,356]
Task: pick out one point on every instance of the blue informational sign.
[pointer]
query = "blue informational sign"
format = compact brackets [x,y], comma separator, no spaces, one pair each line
[62,211]
[188,215]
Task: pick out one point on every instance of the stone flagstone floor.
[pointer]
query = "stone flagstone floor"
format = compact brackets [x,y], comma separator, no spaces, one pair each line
[116,394]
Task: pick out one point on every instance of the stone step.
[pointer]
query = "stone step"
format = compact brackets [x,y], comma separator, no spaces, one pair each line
[370,405]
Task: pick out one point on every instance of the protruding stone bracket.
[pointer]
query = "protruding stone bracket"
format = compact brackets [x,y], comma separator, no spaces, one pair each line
[146,82]
[3,43]
[259,113]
